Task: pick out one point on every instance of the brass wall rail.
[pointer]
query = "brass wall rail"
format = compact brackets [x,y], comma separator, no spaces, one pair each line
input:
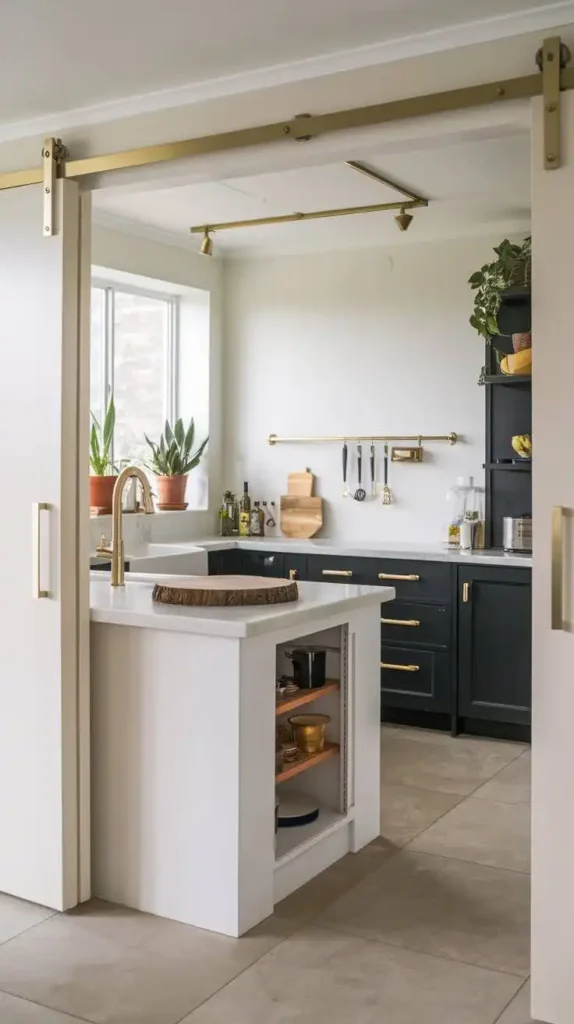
[451,438]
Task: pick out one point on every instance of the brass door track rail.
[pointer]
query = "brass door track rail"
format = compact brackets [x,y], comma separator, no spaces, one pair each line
[451,438]
[552,78]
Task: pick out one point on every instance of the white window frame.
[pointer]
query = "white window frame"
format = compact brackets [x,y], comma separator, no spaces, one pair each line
[170,395]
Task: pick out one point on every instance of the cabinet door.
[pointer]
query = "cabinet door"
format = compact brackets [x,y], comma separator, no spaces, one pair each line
[227,562]
[44,604]
[494,642]
[415,679]
[262,563]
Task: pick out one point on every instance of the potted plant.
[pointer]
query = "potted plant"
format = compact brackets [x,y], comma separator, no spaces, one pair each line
[511,268]
[172,461]
[104,476]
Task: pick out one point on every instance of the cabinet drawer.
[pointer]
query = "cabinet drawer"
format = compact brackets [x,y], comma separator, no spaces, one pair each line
[416,679]
[419,624]
[413,581]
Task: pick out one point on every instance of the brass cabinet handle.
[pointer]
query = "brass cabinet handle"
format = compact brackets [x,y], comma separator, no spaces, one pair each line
[400,622]
[400,668]
[38,507]
[337,572]
[465,593]
[557,568]
[397,576]
[293,574]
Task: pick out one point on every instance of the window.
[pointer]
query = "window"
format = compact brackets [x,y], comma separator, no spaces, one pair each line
[133,355]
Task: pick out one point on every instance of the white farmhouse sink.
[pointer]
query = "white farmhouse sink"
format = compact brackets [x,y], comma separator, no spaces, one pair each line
[179,559]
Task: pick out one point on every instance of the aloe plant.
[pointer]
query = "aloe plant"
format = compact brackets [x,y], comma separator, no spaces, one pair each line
[101,439]
[172,456]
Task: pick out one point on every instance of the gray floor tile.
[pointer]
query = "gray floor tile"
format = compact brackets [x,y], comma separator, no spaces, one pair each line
[319,975]
[511,785]
[17,916]
[111,965]
[459,766]
[519,1010]
[467,912]
[481,831]
[20,1011]
[407,810]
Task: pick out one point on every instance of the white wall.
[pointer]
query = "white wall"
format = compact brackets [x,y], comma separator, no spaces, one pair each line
[354,342]
[133,254]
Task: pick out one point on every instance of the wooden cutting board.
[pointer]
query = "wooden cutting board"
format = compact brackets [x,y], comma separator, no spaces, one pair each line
[300,518]
[225,591]
[300,484]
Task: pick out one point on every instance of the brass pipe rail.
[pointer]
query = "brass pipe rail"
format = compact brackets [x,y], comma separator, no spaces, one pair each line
[451,438]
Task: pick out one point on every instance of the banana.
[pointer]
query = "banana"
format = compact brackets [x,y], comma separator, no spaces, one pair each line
[522,444]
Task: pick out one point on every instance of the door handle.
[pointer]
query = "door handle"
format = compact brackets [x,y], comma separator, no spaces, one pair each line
[37,509]
[465,593]
[396,576]
[400,668]
[337,572]
[400,622]
[557,568]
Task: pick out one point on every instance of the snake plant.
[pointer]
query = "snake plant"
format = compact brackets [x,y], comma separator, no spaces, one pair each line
[173,456]
[101,439]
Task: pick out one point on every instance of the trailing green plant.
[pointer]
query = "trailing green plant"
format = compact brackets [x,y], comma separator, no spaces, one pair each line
[101,439]
[512,267]
[172,456]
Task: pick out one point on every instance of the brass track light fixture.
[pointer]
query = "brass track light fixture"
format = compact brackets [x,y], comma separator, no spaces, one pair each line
[409,201]
[403,220]
[207,244]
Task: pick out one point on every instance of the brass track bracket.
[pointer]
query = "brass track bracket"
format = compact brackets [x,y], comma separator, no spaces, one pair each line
[54,153]
[551,100]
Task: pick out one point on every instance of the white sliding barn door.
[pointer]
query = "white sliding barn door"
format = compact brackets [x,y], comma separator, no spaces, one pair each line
[44,816]
[553,648]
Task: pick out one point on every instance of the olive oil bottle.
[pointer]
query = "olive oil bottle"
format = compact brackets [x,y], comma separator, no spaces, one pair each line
[244,510]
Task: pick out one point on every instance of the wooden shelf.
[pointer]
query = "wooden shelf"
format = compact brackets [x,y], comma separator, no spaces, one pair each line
[307,696]
[305,761]
[509,379]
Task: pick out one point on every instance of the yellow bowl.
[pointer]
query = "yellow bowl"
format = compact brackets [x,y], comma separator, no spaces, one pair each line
[310,732]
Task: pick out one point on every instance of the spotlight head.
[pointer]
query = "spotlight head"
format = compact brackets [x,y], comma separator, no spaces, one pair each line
[207,244]
[403,220]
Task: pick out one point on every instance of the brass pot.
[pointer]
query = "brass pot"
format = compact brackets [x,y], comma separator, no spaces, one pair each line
[309,732]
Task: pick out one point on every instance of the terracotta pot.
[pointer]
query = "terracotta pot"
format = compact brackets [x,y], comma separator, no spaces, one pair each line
[101,491]
[171,492]
[522,341]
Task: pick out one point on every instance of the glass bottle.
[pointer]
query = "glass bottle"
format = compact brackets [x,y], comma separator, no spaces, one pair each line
[244,510]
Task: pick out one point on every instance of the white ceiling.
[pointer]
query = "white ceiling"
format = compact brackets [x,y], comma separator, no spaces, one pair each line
[66,54]
[472,188]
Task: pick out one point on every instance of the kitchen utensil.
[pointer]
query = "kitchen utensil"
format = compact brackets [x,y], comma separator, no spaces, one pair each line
[296,809]
[220,591]
[373,481]
[346,492]
[360,494]
[309,732]
[300,518]
[517,533]
[300,484]
[309,665]
[271,521]
[387,495]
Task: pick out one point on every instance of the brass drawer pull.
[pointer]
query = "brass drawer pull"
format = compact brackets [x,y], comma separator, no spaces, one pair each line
[396,576]
[400,622]
[400,668]
[293,574]
[465,593]
[337,572]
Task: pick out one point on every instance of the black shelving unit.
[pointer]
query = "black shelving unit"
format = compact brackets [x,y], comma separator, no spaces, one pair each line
[508,412]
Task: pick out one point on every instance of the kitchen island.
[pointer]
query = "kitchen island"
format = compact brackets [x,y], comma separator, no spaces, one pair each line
[184,779]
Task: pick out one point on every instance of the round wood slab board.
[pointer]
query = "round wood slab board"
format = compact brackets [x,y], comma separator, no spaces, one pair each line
[225,591]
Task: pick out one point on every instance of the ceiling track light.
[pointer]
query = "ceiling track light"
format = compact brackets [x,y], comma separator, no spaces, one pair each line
[207,244]
[403,220]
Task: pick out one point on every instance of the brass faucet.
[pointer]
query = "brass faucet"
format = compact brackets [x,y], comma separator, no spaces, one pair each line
[116,549]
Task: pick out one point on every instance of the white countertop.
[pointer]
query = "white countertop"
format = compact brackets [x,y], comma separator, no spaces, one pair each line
[367,549]
[132,605]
